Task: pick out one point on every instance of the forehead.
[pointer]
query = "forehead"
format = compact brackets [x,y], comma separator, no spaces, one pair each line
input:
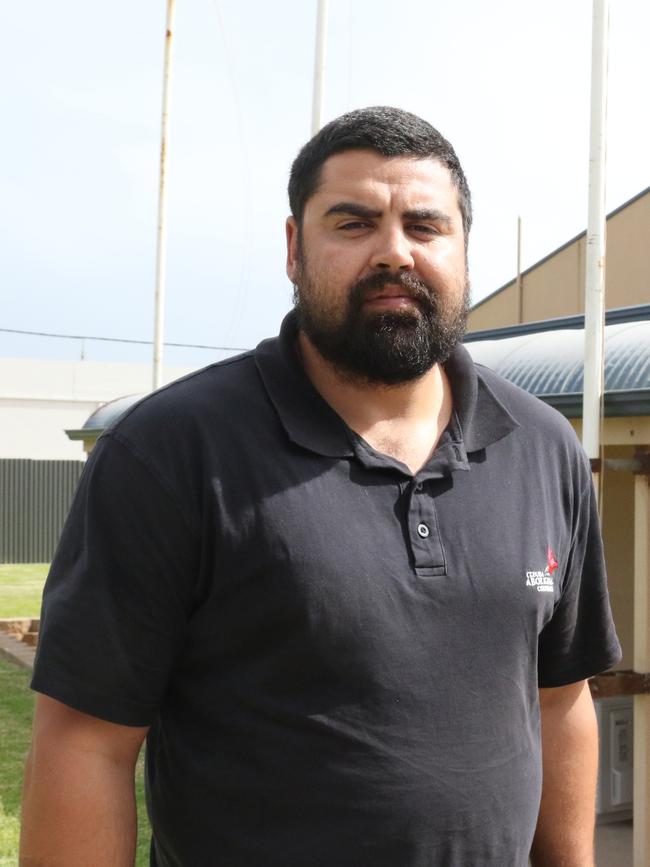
[365,176]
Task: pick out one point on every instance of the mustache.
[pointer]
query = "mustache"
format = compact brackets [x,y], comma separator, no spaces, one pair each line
[414,287]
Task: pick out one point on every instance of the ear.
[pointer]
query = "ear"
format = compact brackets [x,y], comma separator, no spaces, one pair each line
[291,228]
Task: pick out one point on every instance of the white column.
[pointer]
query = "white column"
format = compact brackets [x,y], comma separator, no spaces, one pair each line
[642,665]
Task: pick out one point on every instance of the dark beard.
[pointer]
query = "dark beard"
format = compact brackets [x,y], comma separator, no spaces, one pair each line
[390,347]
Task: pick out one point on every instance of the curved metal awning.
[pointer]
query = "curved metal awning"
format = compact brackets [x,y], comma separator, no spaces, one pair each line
[549,364]
[104,416]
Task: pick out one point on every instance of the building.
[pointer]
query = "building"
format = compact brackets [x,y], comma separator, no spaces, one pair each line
[554,286]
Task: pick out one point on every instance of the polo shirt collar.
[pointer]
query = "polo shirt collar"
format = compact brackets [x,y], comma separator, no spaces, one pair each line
[309,421]
[482,418]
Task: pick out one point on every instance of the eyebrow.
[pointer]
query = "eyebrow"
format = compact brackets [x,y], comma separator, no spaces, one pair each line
[354,209]
[431,214]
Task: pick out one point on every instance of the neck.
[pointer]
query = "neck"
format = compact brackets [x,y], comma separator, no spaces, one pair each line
[420,407]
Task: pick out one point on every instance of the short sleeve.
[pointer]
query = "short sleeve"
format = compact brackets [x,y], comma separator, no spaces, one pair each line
[580,640]
[119,593]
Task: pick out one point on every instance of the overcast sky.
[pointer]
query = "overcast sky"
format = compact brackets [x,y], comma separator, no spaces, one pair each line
[507,82]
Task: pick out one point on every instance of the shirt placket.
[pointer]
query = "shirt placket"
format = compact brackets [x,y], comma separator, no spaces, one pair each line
[424,532]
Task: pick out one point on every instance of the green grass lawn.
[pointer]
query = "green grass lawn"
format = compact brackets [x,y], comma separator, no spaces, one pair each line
[15,724]
[21,588]
[16,705]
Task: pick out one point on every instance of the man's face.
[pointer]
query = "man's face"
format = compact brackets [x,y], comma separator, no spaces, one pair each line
[379,266]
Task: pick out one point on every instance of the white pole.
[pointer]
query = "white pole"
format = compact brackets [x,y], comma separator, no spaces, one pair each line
[520,288]
[319,67]
[595,254]
[161,252]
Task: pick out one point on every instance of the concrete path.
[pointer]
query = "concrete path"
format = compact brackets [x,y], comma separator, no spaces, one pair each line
[614,845]
[16,651]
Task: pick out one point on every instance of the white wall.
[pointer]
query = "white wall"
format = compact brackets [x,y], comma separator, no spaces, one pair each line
[40,400]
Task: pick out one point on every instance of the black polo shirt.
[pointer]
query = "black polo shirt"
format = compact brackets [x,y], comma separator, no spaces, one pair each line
[339,660]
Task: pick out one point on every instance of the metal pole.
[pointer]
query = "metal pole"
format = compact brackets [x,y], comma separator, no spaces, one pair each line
[319,67]
[520,288]
[161,252]
[595,253]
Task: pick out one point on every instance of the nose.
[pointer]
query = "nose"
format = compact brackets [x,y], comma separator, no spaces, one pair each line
[393,252]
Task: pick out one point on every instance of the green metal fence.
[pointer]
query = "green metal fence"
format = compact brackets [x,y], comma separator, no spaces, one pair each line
[34,500]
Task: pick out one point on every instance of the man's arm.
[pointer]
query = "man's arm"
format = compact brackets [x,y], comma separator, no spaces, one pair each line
[565,827]
[78,798]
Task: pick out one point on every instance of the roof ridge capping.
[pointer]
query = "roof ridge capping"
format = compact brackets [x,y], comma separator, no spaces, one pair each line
[634,313]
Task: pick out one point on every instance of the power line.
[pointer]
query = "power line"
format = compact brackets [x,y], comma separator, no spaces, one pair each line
[121,340]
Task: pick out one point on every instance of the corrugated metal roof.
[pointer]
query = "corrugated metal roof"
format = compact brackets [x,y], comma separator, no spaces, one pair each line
[549,364]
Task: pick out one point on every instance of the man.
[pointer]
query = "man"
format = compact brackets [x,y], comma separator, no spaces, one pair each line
[337,580]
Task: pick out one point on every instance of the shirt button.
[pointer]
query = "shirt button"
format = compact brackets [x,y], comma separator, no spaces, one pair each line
[419,487]
[423,530]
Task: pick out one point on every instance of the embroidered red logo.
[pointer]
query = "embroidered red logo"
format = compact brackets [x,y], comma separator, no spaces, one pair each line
[551,560]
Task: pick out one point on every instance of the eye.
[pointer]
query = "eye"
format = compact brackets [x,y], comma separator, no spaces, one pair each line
[351,225]
[419,229]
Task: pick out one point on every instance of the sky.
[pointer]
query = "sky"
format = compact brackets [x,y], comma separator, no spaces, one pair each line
[507,82]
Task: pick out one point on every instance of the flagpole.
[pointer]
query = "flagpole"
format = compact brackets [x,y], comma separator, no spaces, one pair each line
[319,67]
[595,251]
[161,250]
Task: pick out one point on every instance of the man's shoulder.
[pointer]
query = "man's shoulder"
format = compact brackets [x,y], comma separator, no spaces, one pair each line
[205,405]
[207,390]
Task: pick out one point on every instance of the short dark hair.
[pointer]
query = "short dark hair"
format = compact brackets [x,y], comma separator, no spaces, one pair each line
[389,131]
